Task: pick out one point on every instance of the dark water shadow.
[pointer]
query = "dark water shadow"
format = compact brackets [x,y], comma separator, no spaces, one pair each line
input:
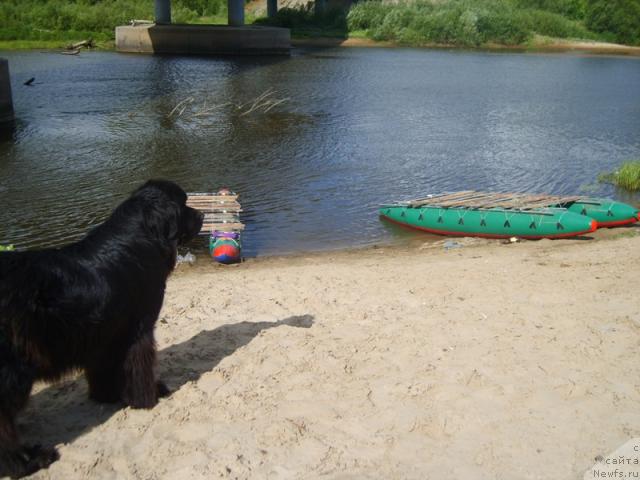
[61,413]
[7,131]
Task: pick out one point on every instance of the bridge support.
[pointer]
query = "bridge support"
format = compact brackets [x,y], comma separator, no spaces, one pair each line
[233,39]
[163,12]
[236,12]
[272,8]
[6,101]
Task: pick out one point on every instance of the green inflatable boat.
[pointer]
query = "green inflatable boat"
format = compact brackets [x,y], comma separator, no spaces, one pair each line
[503,215]
[607,213]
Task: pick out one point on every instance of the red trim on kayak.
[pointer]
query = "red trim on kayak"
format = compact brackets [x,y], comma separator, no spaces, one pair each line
[617,223]
[593,227]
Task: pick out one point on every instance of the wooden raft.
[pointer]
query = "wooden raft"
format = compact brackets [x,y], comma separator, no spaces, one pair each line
[221,212]
[472,199]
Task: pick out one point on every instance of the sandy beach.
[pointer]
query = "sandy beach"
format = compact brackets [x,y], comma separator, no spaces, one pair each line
[487,361]
[537,45]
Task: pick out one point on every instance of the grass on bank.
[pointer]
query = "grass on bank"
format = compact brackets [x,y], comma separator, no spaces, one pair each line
[52,23]
[468,23]
[626,177]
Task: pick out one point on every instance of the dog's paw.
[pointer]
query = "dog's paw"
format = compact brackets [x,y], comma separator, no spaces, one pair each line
[26,460]
[162,389]
[40,456]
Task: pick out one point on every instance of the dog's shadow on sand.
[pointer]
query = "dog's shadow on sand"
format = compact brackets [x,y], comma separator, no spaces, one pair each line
[60,413]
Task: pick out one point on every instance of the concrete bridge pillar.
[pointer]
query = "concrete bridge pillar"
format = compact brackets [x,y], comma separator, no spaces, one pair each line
[163,11]
[6,101]
[272,8]
[236,12]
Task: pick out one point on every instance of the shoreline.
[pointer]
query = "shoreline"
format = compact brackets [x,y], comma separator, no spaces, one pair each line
[484,361]
[400,245]
[559,46]
[539,46]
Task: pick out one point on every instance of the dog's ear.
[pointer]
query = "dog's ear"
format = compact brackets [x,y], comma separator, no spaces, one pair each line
[162,220]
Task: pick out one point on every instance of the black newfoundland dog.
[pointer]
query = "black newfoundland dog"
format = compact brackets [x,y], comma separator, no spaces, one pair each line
[91,305]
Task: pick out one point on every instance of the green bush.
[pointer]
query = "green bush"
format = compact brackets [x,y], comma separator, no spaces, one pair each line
[305,20]
[573,9]
[69,19]
[554,25]
[620,19]
[457,22]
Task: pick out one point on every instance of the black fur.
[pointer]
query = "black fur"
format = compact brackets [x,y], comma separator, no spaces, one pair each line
[91,305]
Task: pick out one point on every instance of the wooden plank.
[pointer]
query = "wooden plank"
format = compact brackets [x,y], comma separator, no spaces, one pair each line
[209,227]
[568,199]
[212,201]
[223,218]
[210,196]
[505,199]
[232,211]
[454,202]
[475,201]
[545,202]
[216,206]
[498,198]
[439,196]
[520,200]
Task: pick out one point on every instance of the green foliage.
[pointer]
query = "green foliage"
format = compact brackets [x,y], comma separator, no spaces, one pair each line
[554,25]
[470,22]
[454,22]
[620,19]
[6,248]
[573,9]
[204,7]
[627,176]
[306,22]
[80,19]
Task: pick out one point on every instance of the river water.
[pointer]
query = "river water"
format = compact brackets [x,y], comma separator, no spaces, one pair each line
[354,128]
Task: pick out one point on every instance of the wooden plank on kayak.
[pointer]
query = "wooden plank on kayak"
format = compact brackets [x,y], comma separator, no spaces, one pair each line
[480,201]
[221,212]
[215,206]
[565,200]
[521,200]
[210,196]
[499,198]
[454,202]
[224,227]
[474,199]
[212,201]
[219,216]
[437,197]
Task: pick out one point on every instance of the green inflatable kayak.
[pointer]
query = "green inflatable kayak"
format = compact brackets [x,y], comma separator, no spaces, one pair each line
[499,215]
[607,213]
[491,223]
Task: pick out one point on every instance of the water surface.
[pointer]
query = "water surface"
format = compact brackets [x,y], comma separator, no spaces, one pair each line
[359,127]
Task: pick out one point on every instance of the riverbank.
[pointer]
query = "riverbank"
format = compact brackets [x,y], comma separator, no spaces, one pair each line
[487,361]
[545,45]
[538,45]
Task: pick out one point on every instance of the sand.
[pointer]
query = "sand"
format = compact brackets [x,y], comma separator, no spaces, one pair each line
[537,45]
[488,361]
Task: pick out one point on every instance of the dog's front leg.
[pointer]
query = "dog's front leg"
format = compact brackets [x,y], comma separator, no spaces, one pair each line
[17,460]
[141,390]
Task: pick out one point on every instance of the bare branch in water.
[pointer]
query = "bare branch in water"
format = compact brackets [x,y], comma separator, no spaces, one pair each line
[263,103]
[180,104]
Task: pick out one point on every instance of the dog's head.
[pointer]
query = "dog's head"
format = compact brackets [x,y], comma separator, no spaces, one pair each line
[166,215]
